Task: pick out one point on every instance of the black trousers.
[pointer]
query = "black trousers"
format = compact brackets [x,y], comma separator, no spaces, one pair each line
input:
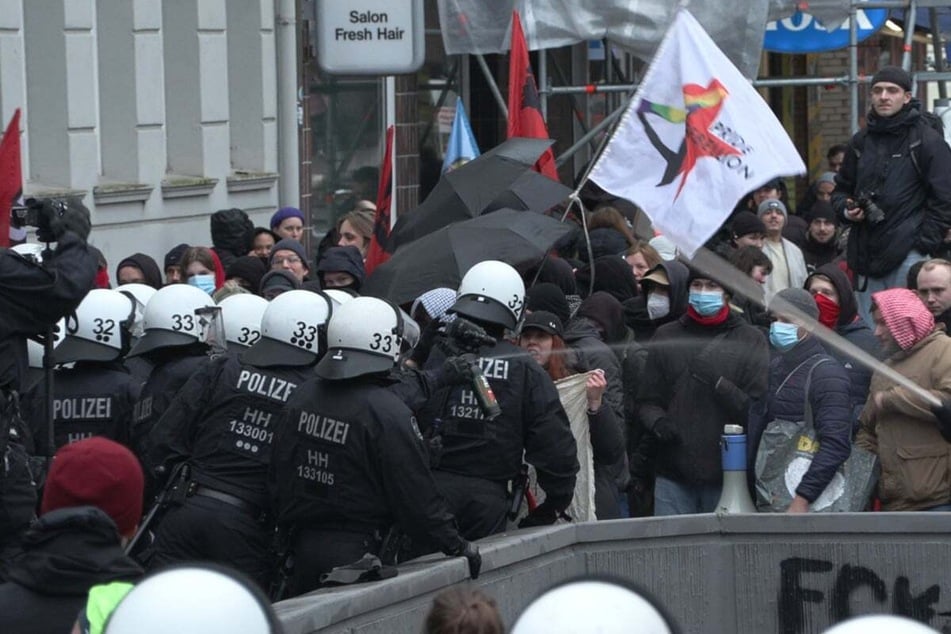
[208,530]
[480,505]
[318,550]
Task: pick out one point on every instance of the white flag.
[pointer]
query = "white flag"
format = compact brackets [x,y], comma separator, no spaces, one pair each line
[695,139]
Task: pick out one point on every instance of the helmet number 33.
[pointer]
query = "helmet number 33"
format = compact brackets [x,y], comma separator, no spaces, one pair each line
[384,343]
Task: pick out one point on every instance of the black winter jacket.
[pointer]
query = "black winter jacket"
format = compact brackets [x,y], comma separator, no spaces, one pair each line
[589,352]
[693,401]
[831,410]
[66,552]
[917,206]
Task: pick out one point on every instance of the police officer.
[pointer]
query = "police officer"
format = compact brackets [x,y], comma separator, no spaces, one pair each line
[140,294]
[173,343]
[242,315]
[481,458]
[96,395]
[32,299]
[349,462]
[222,423]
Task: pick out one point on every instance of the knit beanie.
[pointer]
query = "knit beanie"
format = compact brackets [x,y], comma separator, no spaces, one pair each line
[893,75]
[289,244]
[821,209]
[96,472]
[283,214]
[249,268]
[173,257]
[798,298]
[826,177]
[907,318]
[770,204]
[745,223]
[547,297]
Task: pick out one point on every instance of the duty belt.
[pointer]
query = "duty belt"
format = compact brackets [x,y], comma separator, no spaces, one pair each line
[229,499]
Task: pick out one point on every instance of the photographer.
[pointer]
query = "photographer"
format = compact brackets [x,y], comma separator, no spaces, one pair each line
[33,297]
[893,189]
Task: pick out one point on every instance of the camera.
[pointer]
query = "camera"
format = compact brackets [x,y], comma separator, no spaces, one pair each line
[873,213]
[24,216]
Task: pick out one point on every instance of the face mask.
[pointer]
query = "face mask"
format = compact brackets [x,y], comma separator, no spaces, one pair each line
[828,311]
[706,304]
[657,306]
[783,336]
[204,282]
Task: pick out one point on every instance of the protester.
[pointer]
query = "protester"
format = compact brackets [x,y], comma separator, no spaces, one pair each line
[663,299]
[548,297]
[702,373]
[92,502]
[289,255]
[747,229]
[835,156]
[751,261]
[341,267]
[460,610]
[541,336]
[821,244]
[173,270]
[934,289]
[481,457]
[899,425]
[789,267]
[896,201]
[598,324]
[202,269]
[612,275]
[246,272]
[232,235]
[802,363]
[278,281]
[356,229]
[819,190]
[264,241]
[138,268]
[288,223]
[838,311]
[607,217]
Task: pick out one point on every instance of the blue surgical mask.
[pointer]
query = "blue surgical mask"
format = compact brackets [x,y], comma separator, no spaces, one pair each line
[783,336]
[706,304]
[204,282]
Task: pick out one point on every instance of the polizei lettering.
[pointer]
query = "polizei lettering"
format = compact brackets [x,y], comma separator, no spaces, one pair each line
[82,408]
[495,368]
[265,385]
[323,428]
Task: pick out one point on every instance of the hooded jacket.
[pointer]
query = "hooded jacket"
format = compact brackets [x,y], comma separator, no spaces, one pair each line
[66,552]
[588,335]
[612,274]
[915,458]
[346,259]
[150,270]
[635,310]
[916,202]
[853,328]
[232,234]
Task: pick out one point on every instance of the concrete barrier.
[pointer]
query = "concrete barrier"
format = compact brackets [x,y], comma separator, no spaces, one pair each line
[744,574]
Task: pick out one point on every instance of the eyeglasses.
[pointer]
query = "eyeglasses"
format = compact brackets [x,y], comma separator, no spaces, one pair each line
[287,259]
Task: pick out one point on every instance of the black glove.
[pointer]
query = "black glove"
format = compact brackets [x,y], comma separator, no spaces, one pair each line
[427,337]
[543,515]
[458,370]
[943,414]
[56,217]
[665,431]
[471,552]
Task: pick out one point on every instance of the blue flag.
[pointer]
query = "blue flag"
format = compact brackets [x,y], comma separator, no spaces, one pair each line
[462,146]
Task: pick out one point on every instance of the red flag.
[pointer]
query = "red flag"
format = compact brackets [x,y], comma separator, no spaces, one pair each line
[11,177]
[377,253]
[525,114]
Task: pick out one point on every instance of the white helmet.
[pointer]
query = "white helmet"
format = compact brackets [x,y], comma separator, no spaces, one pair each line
[881,624]
[339,296]
[291,330]
[34,349]
[492,292]
[242,315]
[170,318]
[592,605]
[363,337]
[193,599]
[30,250]
[100,330]
[140,294]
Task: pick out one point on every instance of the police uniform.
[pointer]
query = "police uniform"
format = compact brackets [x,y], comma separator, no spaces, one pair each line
[89,399]
[222,422]
[480,458]
[348,463]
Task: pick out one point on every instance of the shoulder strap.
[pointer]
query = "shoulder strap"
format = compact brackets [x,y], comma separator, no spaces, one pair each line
[796,369]
[914,147]
[807,418]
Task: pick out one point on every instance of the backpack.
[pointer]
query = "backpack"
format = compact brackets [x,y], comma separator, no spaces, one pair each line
[929,119]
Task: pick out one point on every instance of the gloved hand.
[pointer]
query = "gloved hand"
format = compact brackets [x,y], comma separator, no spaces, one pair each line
[665,431]
[471,552]
[543,515]
[56,217]
[943,414]
[427,337]
[457,370]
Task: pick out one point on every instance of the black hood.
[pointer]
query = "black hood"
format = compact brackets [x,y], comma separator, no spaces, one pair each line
[848,308]
[606,313]
[68,550]
[148,266]
[346,259]
[679,275]
[232,231]
[612,274]
[555,271]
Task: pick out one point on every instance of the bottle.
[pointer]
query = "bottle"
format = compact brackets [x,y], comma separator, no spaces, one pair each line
[484,394]
[735,497]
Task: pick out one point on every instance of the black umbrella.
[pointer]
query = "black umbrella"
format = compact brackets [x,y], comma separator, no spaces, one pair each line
[465,192]
[532,192]
[442,257]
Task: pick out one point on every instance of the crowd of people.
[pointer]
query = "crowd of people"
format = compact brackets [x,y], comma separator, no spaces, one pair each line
[279,423]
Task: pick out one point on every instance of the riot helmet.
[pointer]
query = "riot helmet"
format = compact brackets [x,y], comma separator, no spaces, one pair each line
[880,624]
[291,330]
[100,329]
[242,315]
[171,319]
[140,295]
[491,292]
[363,337]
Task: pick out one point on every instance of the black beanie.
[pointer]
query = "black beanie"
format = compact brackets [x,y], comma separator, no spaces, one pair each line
[893,75]
[249,268]
[745,223]
[548,297]
[821,209]
[173,257]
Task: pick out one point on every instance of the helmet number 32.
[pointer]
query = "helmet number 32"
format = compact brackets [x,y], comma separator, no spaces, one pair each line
[104,329]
